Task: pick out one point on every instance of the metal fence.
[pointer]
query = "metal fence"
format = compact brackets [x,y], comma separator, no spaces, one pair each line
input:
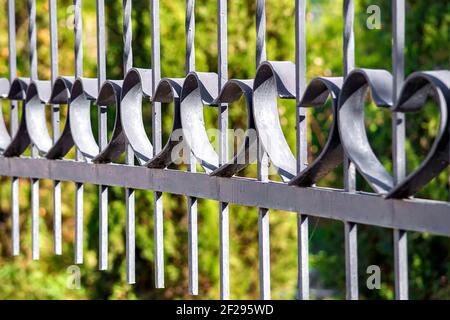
[390,206]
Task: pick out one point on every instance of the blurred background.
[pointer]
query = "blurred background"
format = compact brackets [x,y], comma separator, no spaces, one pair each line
[427,48]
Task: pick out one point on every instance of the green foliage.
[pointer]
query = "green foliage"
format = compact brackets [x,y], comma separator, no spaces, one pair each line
[427,45]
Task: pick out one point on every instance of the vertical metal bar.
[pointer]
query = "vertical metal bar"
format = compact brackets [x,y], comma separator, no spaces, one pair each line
[264,253]
[263,166]
[32,39]
[53,42]
[222,40]
[103,209]
[261,54]
[79,221]
[127,36]
[57,232]
[303,256]
[34,152]
[14,123]
[224,251]
[190,36]
[350,229]
[78,29]
[192,202]
[129,154]
[302,147]
[157,142]
[35,213]
[35,218]
[130,228]
[101,56]
[192,246]
[102,135]
[398,145]
[79,187]
[349,36]
[12,42]
[398,63]
[401,264]
[15,216]
[351,260]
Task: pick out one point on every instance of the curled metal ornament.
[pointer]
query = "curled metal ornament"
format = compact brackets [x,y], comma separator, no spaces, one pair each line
[18,89]
[5,138]
[21,140]
[199,89]
[232,91]
[316,94]
[84,92]
[274,79]
[351,123]
[109,95]
[136,86]
[168,90]
[415,91]
[61,95]
[38,95]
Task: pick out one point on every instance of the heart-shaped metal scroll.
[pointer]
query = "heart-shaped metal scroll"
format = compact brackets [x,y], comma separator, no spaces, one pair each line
[136,86]
[168,90]
[38,96]
[199,89]
[274,79]
[415,91]
[5,138]
[232,91]
[316,94]
[109,95]
[351,123]
[84,92]
[21,140]
[61,95]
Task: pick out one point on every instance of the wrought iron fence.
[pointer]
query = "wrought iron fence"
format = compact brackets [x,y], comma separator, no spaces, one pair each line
[390,206]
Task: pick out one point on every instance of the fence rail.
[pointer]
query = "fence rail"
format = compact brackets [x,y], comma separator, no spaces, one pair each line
[390,205]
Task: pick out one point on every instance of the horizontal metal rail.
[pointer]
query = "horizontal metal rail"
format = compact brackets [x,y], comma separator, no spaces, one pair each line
[412,215]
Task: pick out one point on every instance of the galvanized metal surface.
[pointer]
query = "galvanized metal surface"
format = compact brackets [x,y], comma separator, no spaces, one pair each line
[335,204]
[350,229]
[347,142]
